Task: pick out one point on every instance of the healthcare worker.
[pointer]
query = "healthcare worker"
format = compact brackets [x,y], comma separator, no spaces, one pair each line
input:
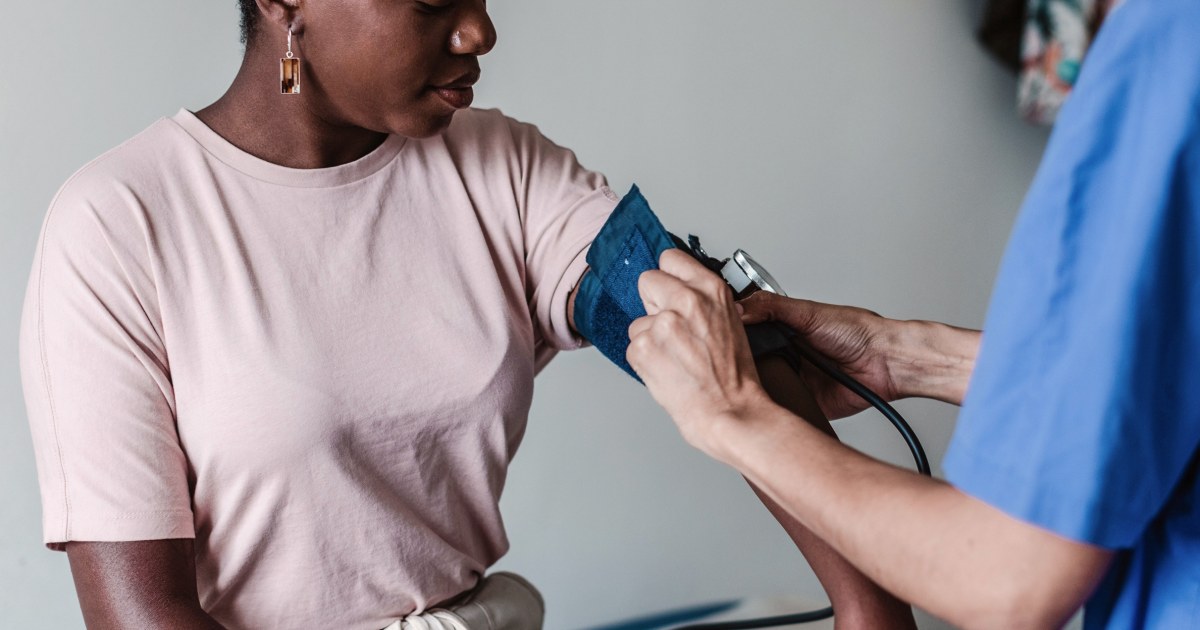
[1072,472]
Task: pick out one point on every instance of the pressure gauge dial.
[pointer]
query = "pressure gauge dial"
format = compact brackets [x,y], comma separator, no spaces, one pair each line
[746,276]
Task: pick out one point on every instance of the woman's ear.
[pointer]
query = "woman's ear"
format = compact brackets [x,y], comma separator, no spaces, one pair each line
[283,14]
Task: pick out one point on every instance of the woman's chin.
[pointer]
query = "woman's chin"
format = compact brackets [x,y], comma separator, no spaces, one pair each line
[425,126]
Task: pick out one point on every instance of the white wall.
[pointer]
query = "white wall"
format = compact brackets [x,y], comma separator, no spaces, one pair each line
[866,151]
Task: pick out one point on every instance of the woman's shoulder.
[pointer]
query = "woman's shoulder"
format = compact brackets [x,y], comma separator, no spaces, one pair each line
[492,130]
[475,120]
[104,190]
[146,160]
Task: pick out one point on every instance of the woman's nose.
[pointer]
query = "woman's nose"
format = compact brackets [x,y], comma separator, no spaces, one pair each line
[475,35]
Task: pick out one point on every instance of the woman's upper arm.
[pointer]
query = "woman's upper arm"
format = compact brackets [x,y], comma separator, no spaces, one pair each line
[138,584]
[99,392]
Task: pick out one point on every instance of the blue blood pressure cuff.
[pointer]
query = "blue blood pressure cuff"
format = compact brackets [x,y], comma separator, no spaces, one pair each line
[607,300]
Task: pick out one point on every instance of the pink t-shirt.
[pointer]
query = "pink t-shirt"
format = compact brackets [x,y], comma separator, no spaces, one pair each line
[320,375]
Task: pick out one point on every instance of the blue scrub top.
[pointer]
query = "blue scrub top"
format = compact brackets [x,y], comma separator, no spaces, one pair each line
[1083,415]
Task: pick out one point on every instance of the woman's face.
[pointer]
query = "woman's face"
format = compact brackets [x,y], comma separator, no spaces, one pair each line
[398,66]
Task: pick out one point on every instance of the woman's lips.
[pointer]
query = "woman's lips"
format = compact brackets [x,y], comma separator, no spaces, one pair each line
[456,97]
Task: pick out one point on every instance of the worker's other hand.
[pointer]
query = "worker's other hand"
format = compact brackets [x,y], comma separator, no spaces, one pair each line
[856,339]
[691,349]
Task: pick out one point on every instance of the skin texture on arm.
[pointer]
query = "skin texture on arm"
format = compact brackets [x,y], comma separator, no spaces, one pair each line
[917,537]
[139,584]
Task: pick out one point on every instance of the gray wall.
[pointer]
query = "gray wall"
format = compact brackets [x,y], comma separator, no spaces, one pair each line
[866,151]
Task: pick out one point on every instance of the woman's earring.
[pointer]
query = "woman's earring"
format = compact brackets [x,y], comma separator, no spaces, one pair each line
[289,70]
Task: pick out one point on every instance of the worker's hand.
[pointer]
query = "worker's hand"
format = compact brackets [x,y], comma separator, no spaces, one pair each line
[858,340]
[691,349]
[894,358]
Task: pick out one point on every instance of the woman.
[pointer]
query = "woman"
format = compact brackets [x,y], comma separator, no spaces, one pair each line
[278,353]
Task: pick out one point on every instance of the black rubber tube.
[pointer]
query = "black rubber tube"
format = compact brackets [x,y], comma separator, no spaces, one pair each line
[850,383]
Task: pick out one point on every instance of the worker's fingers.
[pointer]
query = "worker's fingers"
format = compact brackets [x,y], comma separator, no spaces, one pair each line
[681,265]
[660,291]
[663,341]
[685,286]
[640,326]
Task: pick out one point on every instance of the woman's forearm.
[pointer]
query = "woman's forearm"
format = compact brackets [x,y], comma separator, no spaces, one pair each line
[858,602]
[930,359]
[138,584]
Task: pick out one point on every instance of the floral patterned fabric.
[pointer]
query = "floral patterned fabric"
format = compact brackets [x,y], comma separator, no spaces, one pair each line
[1056,37]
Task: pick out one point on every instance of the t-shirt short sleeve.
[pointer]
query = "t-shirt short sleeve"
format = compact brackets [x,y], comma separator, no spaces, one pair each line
[97,385]
[1084,410]
[563,206]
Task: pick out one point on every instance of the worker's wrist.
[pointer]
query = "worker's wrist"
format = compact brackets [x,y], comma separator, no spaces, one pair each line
[731,434]
[931,360]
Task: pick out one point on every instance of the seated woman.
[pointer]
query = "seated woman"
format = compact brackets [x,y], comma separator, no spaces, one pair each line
[278,353]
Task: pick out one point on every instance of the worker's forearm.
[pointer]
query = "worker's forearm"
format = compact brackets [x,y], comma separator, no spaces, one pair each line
[931,360]
[858,602]
[919,538]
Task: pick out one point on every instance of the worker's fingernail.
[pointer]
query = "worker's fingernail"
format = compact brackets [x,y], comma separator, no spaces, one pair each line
[741,310]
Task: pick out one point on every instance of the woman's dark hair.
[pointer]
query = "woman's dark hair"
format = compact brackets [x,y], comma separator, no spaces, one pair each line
[249,9]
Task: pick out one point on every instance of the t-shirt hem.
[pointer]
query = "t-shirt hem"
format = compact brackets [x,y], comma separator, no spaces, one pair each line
[571,340]
[562,335]
[124,527]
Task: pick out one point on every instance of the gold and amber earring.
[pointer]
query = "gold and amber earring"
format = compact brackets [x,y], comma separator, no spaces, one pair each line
[289,70]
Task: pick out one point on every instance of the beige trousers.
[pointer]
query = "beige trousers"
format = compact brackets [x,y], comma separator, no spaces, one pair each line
[501,601]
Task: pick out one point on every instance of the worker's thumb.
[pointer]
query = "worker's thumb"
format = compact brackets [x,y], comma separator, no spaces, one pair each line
[765,306]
